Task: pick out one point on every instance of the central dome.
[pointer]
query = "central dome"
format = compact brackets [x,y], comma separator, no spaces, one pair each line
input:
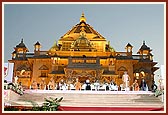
[73,40]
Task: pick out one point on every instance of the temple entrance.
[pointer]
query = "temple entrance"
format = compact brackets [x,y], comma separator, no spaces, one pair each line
[82,79]
[82,75]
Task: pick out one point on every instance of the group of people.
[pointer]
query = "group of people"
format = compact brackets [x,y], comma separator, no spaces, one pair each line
[112,86]
[136,86]
[96,86]
[143,86]
[62,85]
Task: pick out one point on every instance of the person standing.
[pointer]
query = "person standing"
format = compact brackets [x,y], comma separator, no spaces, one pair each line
[77,85]
[88,87]
[136,86]
[143,85]
[61,83]
[58,86]
[42,85]
[96,84]
[51,84]
[154,86]
[34,85]
[125,79]
[16,80]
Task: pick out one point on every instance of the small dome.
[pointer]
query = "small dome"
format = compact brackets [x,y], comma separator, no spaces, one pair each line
[144,47]
[54,47]
[129,45]
[37,43]
[109,48]
[21,45]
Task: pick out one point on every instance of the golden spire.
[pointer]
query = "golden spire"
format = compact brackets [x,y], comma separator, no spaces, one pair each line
[82,18]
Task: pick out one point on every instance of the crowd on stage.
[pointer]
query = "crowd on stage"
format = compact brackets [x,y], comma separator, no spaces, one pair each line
[96,86]
[75,86]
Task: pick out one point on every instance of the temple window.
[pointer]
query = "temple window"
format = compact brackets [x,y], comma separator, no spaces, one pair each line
[22,72]
[17,73]
[90,61]
[137,75]
[43,74]
[73,61]
[20,51]
[143,73]
[14,55]
[151,57]
[55,60]
[129,50]
[37,48]
[80,61]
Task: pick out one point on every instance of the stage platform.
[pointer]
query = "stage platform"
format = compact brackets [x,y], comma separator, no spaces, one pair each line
[83,100]
[87,92]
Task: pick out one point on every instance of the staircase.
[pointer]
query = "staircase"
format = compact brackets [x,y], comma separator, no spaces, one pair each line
[90,98]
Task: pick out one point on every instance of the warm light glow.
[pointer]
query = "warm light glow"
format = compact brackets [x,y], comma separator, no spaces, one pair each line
[83,19]
[22,72]
[143,74]
[136,74]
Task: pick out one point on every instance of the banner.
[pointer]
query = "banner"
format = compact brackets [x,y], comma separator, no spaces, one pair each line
[8,71]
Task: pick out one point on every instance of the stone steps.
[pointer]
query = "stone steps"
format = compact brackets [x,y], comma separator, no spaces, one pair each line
[93,99]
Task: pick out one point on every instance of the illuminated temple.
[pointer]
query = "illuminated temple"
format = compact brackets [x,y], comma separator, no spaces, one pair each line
[82,53]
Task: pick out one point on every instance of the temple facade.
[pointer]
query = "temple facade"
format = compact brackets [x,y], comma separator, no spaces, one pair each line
[81,53]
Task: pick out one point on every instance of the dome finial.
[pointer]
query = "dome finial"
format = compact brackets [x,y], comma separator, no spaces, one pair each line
[144,42]
[22,40]
[82,18]
[83,14]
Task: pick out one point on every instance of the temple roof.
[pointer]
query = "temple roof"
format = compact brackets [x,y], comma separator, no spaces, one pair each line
[14,52]
[21,45]
[23,67]
[75,31]
[129,45]
[144,47]
[43,67]
[37,43]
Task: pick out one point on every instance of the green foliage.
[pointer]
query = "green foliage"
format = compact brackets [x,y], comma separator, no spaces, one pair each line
[15,88]
[159,92]
[50,104]
[35,107]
